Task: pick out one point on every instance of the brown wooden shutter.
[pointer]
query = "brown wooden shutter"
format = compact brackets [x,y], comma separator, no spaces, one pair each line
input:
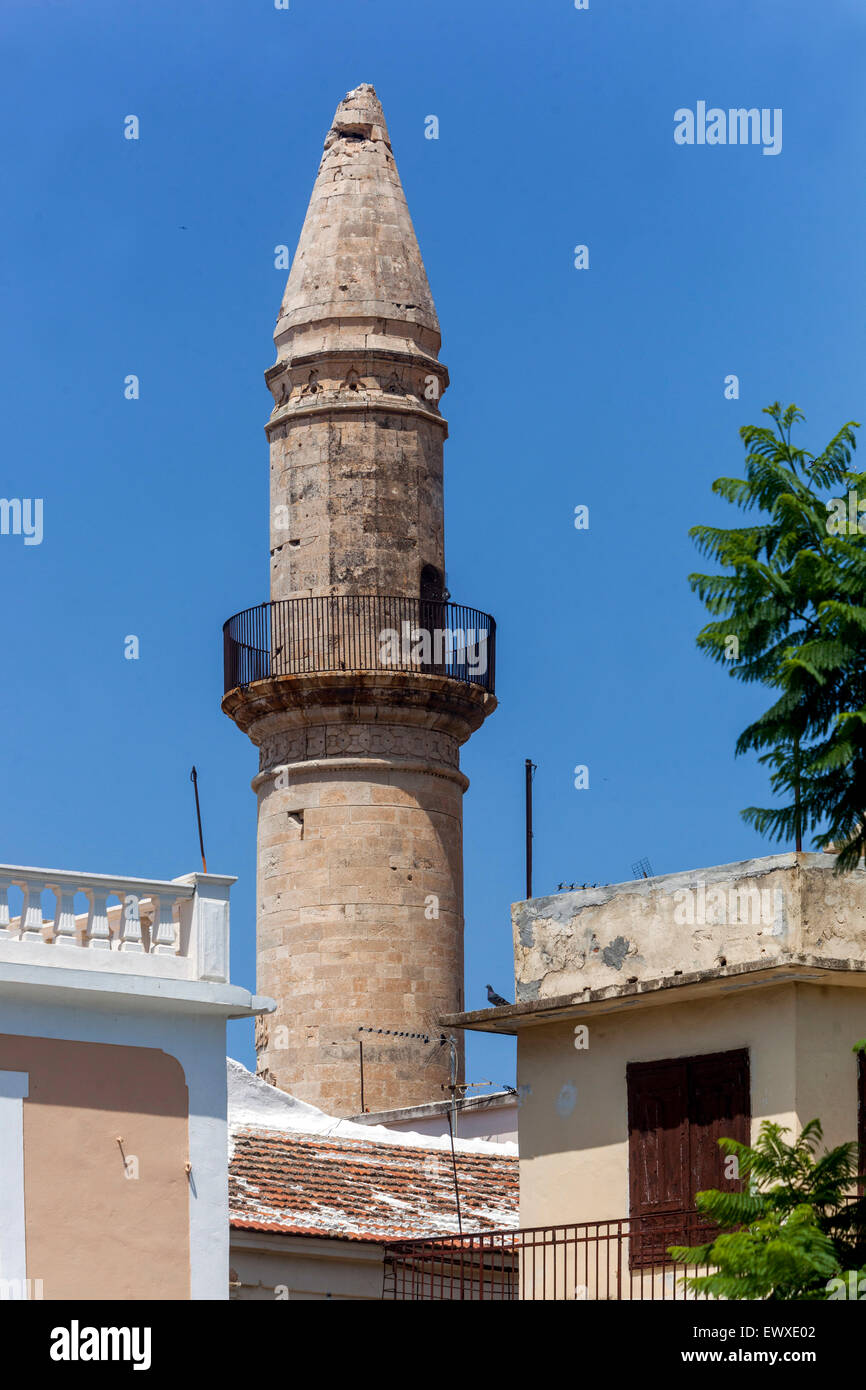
[678,1109]
[658,1155]
[718,1109]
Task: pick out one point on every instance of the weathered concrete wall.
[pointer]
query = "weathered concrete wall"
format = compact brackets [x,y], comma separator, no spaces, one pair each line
[755,911]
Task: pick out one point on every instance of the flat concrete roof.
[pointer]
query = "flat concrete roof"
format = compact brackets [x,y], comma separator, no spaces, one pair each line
[495,1100]
[95,989]
[796,969]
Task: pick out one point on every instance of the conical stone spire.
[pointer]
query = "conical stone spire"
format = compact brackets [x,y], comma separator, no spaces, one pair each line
[358,255]
[356,432]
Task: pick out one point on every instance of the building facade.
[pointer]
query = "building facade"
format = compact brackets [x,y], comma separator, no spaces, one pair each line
[655,1017]
[113,1141]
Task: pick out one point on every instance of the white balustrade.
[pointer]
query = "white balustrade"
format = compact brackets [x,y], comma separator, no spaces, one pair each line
[178,926]
[31,913]
[5,930]
[130,930]
[163,932]
[64,913]
[97,933]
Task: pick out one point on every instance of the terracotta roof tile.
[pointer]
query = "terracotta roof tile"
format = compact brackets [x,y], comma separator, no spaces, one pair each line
[304,1184]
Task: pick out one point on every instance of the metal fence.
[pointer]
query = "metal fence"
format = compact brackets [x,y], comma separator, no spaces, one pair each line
[366,633]
[605,1260]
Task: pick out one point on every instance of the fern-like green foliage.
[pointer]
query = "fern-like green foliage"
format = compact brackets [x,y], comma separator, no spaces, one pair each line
[790,604]
[794,1227]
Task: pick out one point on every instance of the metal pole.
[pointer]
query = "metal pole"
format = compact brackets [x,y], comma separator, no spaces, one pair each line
[456,1184]
[452,1044]
[530,768]
[193,777]
[361,1052]
[798,827]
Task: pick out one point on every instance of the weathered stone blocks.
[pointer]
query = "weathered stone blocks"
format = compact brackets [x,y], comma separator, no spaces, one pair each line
[360,874]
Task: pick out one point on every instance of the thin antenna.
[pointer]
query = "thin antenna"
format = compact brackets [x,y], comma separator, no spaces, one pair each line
[798,820]
[452,1045]
[193,777]
[394,1033]
[530,770]
[454,1167]
[642,869]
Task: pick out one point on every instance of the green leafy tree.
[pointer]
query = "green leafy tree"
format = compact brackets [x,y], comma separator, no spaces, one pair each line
[794,1228]
[789,611]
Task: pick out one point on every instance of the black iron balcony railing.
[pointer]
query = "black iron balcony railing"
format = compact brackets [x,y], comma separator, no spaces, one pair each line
[609,1260]
[306,636]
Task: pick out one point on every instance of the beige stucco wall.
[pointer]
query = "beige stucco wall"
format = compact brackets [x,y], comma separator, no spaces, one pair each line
[92,1232]
[829,1022]
[273,1268]
[573,1120]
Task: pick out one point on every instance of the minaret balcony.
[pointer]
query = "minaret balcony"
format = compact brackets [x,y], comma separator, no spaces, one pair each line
[364,633]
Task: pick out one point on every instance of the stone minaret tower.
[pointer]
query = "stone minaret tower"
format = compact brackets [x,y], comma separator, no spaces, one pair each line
[359,681]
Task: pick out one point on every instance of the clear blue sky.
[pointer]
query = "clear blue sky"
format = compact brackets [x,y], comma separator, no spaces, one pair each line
[602,387]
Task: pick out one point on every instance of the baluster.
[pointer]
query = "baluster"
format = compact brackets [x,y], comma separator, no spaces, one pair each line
[97,933]
[7,932]
[31,913]
[147,918]
[130,925]
[64,914]
[164,932]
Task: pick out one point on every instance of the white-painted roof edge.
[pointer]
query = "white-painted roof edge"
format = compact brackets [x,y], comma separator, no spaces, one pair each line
[254,1104]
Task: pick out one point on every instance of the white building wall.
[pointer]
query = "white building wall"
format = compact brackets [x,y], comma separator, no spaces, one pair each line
[13,1251]
[198,1043]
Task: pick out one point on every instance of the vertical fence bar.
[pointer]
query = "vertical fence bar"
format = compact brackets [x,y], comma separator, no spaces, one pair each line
[341,633]
[535,1263]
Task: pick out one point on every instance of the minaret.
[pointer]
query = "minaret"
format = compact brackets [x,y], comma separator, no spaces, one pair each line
[359,681]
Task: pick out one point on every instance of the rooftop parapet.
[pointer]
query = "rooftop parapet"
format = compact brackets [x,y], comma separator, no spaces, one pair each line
[174,929]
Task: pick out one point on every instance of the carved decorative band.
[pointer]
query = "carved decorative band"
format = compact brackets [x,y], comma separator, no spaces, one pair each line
[387,765]
[285,415]
[359,740]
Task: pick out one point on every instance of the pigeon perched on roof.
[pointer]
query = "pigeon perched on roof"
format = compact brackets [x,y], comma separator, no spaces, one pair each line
[494,998]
